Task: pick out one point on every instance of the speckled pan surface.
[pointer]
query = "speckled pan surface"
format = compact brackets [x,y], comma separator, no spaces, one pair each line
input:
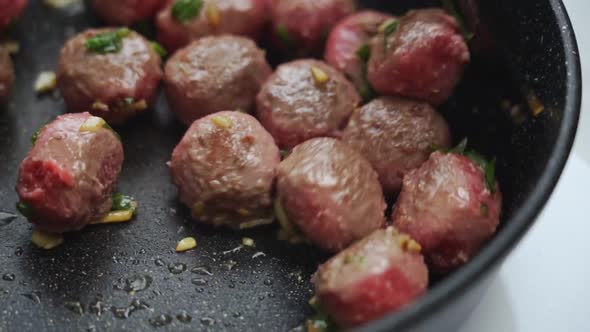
[105,273]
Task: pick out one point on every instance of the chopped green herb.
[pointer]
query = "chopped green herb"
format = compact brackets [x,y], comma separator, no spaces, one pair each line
[320,321]
[128,101]
[460,148]
[108,42]
[364,53]
[389,29]
[124,203]
[159,49]
[285,153]
[186,10]
[490,175]
[452,8]
[36,134]
[284,36]
[107,126]
[485,209]
[477,158]
[25,209]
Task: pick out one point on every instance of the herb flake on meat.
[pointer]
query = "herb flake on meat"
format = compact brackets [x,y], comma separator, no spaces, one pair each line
[185,10]
[108,42]
[159,49]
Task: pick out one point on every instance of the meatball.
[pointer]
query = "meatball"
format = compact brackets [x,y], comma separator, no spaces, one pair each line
[305,99]
[115,83]
[9,10]
[68,177]
[423,58]
[345,41]
[126,12]
[224,168]
[6,75]
[396,135]
[215,17]
[301,26]
[446,206]
[214,74]
[384,272]
[331,193]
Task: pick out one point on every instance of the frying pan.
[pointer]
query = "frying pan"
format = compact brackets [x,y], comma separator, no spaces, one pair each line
[128,277]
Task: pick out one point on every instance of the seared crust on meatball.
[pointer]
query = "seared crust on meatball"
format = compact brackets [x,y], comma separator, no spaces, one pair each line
[6,75]
[380,274]
[294,107]
[396,135]
[215,74]
[9,10]
[69,175]
[446,206]
[423,58]
[331,192]
[126,12]
[115,86]
[217,17]
[224,168]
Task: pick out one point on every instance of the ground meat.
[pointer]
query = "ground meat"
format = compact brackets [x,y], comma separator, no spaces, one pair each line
[236,17]
[215,74]
[115,86]
[6,75]
[331,193]
[10,10]
[446,206]
[380,274]
[69,175]
[294,107]
[126,12]
[396,135]
[224,169]
[423,58]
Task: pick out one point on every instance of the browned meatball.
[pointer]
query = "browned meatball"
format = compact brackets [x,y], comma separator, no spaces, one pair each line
[215,74]
[396,135]
[115,85]
[215,17]
[294,107]
[449,209]
[331,192]
[68,177]
[224,168]
[423,58]
[6,75]
[381,273]
[126,12]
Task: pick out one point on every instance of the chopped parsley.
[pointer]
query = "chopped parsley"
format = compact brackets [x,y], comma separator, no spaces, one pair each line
[159,49]
[284,35]
[365,90]
[185,10]
[320,321]
[107,42]
[390,27]
[364,53]
[36,134]
[124,203]
[452,8]
[25,209]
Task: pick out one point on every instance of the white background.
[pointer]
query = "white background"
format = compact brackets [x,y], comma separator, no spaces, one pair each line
[545,283]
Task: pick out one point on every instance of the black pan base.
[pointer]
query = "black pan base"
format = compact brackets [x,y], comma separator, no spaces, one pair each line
[128,277]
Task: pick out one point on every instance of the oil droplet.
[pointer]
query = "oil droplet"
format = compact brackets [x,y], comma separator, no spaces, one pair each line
[133,284]
[122,313]
[268,282]
[200,289]
[202,270]
[161,320]
[18,251]
[261,297]
[271,295]
[230,264]
[91,328]
[142,251]
[33,296]
[207,321]
[199,282]
[159,262]
[232,284]
[97,307]
[236,314]
[184,317]
[8,277]
[176,268]
[75,307]
[138,304]
[6,218]
[227,323]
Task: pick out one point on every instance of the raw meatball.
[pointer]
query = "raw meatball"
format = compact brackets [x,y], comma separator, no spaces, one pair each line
[300,27]
[215,74]
[396,135]
[331,193]
[216,17]
[224,168]
[347,38]
[382,273]
[115,86]
[68,177]
[9,10]
[423,58]
[294,107]
[126,12]
[446,206]
[6,75]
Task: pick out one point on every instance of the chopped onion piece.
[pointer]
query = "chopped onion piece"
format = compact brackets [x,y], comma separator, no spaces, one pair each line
[186,244]
[93,124]
[46,240]
[45,82]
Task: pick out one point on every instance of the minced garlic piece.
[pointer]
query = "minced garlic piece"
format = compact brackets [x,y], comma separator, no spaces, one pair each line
[92,124]
[244,212]
[98,106]
[213,15]
[222,121]
[198,209]
[535,105]
[186,244]
[319,76]
[117,216]
[45,240]
[385,24]
[45,82]
[138,105]
[59,3]
[248,242]
[11,46]
[406,243]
